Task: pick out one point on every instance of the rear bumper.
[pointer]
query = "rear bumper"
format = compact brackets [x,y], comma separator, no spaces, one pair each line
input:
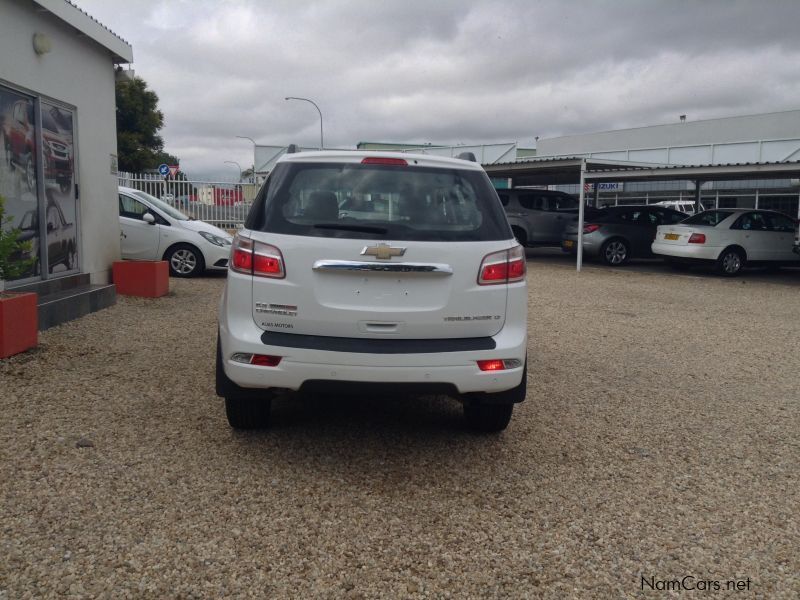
[591,245]
[448,368]
[693,252]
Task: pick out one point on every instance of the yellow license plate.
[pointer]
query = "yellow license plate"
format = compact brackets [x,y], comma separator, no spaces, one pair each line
[671,236]
[568,243]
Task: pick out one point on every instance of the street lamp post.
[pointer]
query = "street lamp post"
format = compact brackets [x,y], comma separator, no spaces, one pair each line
[321,144]
[244,137]
[233,162]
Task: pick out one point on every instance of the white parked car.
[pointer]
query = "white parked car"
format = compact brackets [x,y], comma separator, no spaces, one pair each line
[378,273]
[684,206]
[729,239]
[151,230]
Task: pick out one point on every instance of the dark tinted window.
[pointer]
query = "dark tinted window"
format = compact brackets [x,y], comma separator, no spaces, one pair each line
[780,223]
[533,201]
[130,208]
[562,203]
[504,198]
[351,200]
[751,222]
[711,218]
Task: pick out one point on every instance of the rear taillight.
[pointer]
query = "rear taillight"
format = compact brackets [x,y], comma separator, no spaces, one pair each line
[256,258]
[590,228]
[383,160]
[499,364]
[506,266]
[697,238]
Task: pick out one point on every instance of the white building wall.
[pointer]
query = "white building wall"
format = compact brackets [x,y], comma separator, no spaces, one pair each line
[78,72]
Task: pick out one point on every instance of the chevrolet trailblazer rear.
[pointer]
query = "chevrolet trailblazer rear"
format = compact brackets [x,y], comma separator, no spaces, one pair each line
[375,273]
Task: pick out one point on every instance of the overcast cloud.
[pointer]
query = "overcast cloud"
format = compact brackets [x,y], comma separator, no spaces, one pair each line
[448,71]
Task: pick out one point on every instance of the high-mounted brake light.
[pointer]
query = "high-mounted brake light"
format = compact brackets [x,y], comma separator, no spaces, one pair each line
[697,238]
[384,160]
[256,258]
[590,227]
[506,266]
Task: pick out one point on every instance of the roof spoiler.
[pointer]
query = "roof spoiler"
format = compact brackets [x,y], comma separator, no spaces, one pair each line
[467,156]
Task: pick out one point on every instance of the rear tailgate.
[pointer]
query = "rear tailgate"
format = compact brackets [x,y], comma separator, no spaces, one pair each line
[332,289]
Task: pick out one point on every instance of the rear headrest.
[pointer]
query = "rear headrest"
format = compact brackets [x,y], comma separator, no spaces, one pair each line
[322,206]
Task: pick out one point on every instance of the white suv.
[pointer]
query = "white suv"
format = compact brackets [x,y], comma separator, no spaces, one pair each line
[375,273]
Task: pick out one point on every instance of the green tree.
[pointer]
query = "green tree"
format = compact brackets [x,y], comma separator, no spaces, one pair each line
[12,265]
[139,147]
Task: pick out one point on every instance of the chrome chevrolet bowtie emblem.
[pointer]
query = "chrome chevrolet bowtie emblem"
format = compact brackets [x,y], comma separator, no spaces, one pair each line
[383,251]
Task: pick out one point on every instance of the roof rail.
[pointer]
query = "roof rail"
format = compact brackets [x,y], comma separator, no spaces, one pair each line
[467,156]
[292,149]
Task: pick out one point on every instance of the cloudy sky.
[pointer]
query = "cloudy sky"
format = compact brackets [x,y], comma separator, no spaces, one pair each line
[448,71]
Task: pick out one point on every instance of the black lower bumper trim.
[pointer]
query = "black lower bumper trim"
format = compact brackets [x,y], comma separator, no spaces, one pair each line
[376,346]
[366,388]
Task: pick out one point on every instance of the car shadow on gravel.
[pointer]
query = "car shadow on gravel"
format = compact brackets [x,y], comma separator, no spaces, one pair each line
[409,414]
[404,440]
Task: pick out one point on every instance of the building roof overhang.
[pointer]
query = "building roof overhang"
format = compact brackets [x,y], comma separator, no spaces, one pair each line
[567,170]
[121,51]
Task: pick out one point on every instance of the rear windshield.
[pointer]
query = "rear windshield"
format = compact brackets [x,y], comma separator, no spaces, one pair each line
[711,218]
[349,200]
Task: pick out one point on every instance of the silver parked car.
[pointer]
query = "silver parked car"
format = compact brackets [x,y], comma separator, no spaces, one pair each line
[538,217]
[618,233]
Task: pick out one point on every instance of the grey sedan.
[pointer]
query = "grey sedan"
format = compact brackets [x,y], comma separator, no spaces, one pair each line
[618,233]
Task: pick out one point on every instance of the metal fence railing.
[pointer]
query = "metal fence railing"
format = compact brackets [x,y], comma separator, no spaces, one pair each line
[788,203]
[221,203]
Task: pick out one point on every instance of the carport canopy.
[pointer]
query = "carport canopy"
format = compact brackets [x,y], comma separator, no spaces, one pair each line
[582,170]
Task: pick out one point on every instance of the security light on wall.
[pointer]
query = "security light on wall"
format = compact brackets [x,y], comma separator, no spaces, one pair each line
[41,44]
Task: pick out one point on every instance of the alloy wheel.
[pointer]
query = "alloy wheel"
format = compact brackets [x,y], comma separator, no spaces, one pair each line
[731,263]
[183,261]
[616,253]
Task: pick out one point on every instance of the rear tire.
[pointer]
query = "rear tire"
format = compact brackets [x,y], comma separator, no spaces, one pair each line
[730,262]
[488,413]
[520,235]
[487,418]
[615,252]
[245,408]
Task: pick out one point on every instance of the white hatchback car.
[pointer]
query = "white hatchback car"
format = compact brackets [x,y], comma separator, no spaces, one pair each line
[729,239]
[377,273]
[151,230]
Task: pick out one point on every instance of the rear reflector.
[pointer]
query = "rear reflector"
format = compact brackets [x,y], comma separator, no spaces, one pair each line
[382,160]
[499,364]
[506,266]
[697,238]
[260,360]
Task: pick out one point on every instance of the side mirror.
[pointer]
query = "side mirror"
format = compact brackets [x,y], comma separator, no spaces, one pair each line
[148,218]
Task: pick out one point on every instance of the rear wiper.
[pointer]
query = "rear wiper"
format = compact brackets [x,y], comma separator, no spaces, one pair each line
[345,227]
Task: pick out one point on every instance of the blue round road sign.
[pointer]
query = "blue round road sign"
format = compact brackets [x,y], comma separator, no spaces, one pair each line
[163,169]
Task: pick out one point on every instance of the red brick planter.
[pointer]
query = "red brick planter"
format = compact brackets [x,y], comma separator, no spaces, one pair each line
[147,278]
[19,323]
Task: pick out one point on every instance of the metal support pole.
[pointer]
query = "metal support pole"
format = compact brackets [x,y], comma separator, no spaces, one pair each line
[697,185]
[596,199]
[581,202]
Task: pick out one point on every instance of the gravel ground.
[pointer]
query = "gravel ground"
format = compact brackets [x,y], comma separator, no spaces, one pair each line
[659,439]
